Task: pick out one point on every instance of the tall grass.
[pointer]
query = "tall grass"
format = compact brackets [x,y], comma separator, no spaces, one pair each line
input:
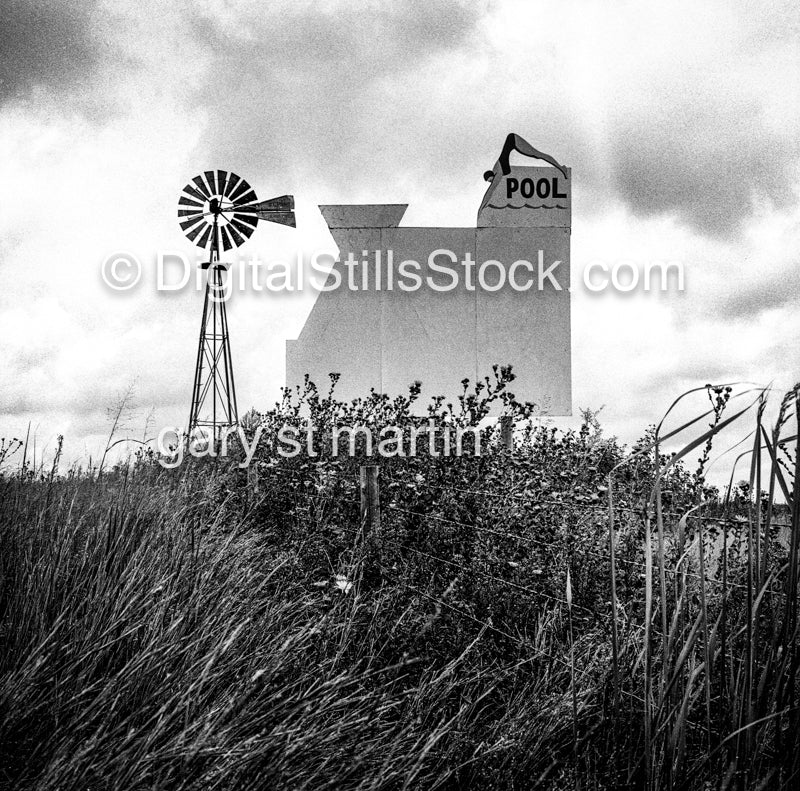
[744,625]
[150,642]
[507,628]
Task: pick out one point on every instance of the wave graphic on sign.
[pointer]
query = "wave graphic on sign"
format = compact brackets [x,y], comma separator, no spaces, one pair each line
[526,206]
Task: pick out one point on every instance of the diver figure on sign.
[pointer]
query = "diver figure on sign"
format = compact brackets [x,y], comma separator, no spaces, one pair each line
[516,143]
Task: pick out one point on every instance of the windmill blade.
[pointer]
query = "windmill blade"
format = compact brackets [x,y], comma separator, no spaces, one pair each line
[248,218]
[192,235]
[233,180]
[185,226]
[226,242]
[247,198]
[240,190]
[201,186]
[196,194]
[238,239]
[222,177]
[245,230]
[184,201]
[189,213]
[209,174]
[204,238]
[283,203]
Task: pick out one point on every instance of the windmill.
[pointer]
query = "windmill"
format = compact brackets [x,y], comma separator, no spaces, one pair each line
[220,207]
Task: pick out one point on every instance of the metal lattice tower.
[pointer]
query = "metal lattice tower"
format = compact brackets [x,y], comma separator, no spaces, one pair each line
[217,389]
[220,206]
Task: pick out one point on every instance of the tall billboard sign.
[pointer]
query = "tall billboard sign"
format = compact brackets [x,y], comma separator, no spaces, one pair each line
[440,305]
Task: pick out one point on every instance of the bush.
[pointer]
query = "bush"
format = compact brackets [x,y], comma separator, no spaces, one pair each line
[218,627]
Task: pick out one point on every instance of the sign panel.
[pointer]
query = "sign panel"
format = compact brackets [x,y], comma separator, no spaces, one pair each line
[531,197]
[443,304]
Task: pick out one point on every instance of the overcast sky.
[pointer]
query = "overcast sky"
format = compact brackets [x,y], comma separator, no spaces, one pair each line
[679,121]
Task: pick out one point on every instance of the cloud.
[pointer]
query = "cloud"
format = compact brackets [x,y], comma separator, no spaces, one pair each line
[678,122]
[46,46]
[687,112]
[705,157]
[298,90]
[778,291]
[673,112]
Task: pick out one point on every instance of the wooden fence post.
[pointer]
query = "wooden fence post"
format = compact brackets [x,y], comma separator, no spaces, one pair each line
[370,520]
[370,499]
[507,431]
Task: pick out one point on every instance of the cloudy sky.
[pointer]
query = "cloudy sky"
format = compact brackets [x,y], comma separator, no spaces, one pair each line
[679,121]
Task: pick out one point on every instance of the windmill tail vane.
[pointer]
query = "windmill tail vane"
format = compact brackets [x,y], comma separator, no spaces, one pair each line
[277,210]
[219,206]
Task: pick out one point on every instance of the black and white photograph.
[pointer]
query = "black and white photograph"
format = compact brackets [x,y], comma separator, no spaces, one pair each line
[399,396]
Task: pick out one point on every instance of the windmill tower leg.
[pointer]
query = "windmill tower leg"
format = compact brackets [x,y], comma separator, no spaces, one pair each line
[214,392]
[198,368]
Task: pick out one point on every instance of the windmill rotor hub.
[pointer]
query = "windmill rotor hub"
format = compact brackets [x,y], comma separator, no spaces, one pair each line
[220,209]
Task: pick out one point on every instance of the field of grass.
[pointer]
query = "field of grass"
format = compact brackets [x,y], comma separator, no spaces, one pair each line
[211,627]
